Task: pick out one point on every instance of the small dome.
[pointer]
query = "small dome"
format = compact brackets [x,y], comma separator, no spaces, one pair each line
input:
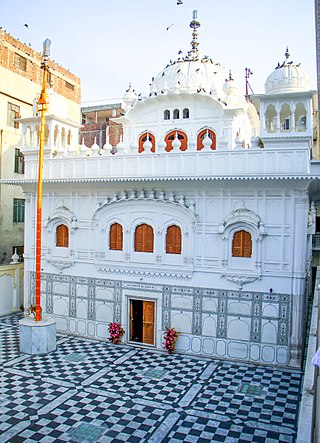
[233,95]
[287,77]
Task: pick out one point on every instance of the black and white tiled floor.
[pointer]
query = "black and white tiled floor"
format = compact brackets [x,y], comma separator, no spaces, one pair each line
[90,391]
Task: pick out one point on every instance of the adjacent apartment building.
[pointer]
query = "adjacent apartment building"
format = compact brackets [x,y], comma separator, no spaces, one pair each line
[20,84]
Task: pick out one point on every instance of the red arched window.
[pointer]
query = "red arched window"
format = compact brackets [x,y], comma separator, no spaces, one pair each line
[242,244]
[62,236]
[143,138]
[202,135]
[116,237]
[173,240]
[143,238]
[181,136]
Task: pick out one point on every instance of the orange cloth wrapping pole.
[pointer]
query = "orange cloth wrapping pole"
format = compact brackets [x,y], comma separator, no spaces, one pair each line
[42,107]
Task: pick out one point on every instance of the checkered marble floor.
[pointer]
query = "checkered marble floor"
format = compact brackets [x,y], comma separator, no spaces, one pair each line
[90,391]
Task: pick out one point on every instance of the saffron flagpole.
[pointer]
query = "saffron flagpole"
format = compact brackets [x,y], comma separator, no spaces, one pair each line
[42,109]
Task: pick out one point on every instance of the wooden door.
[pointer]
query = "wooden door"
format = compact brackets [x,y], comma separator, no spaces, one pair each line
[131,320]
[148,323]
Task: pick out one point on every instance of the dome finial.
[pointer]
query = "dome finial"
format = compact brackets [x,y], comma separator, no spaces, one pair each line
[287,53]
[193,54]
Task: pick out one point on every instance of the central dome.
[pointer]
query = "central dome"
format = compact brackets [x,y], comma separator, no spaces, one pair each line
[191,73]
[190,76]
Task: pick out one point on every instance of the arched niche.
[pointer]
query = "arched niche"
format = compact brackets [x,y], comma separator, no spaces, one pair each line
[185,113]
[202,134]
[46,135]
[285,118]
[300,117]
[242,219]
[271,118]
[182,137]
[143,138]
[63,137]
[56,135]
[60,216]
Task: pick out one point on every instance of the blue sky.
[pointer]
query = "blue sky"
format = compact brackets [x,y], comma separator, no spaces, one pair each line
[109,43]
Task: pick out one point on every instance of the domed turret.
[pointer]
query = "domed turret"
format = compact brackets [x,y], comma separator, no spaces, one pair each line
[233,96]
[287,77]
[130,97]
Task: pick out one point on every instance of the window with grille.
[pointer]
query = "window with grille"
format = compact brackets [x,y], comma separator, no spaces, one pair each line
[242,244]
[13,113]
[20,62]
[173,240]
[143,238]
[116,237]
[18,210]
[18,161]
[62,236]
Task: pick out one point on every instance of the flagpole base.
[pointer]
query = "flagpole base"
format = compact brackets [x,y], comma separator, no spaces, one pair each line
[37,337]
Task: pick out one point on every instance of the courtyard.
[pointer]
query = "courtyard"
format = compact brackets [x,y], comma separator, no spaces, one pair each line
[93,391]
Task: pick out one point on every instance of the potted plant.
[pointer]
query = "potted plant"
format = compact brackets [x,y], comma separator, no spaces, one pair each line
[116,332]
[170,338]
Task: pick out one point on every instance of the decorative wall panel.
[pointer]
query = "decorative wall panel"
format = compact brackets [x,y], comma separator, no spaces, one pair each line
[219,323]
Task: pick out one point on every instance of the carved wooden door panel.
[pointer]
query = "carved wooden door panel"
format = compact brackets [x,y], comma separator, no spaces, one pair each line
[148,322]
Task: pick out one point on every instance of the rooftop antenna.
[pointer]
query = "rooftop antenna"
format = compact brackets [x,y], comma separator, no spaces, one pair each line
[248,72]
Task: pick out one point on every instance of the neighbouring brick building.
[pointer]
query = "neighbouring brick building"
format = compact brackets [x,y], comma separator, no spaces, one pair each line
[97,122]
[20,84]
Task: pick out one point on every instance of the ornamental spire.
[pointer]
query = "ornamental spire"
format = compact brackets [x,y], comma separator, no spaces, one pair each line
[287,53]
[193,54]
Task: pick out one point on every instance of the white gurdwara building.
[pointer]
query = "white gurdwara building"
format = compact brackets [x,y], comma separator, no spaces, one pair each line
[200,220]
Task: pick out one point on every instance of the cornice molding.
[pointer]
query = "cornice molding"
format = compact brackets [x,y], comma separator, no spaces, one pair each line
[163,179]
[148,273]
